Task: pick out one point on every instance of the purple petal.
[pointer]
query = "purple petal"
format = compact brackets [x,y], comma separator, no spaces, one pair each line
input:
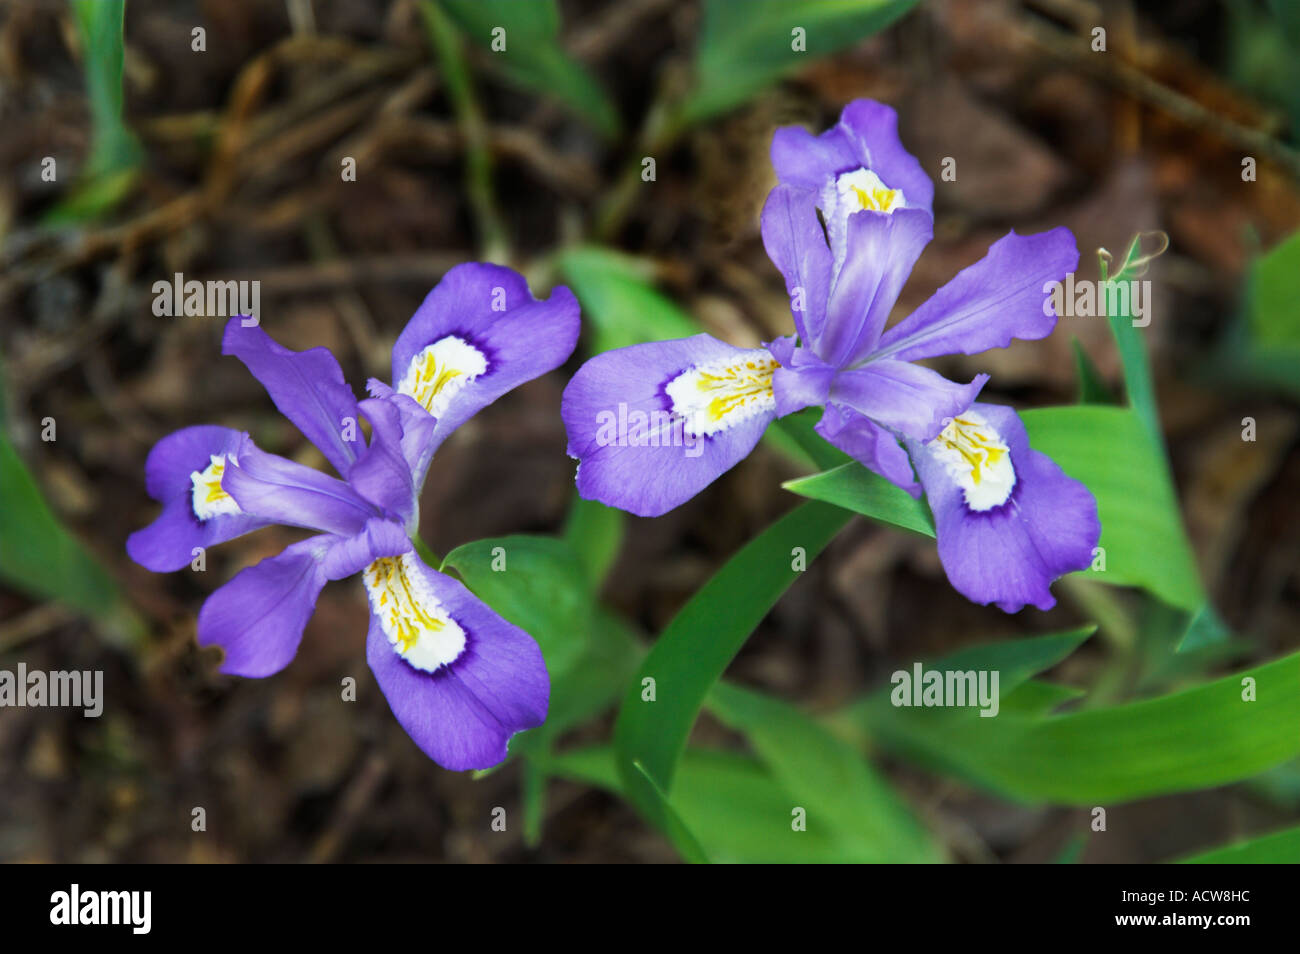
[880,250]
[636,449]
[807,161]
[479,334]
[382,474]
[904,397]
[283,491]
[173,459]
[349,555]
[865,137]
[168,543]
[1010,554]
[803,381]
[258,617]
[796,245]
[1000,297]
[869,444]
[871,130]
[307,387]
[463,713]
[417,430]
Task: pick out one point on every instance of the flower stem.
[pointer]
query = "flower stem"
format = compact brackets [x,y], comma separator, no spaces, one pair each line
[426,554]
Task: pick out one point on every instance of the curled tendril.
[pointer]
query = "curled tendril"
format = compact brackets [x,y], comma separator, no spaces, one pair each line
[1135,266]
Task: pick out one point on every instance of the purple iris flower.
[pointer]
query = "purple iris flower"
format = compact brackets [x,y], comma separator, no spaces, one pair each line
[1007,519]
[460,679]
[845,225]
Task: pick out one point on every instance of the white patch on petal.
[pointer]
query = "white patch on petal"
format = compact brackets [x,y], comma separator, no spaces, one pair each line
[977,459]
[717,396]
[207,498]
[859,190]
[863,190]
[438,373]
[417,626]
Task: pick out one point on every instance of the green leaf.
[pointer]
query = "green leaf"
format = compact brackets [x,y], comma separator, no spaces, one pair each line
[595,533]
[702,639]
[826,777]
[90,199]
[1132,350]
[678,833]
[541,585]
[745,46]
[1092,389]
[619,303]
[1279,848]
[1204,628]
[584,690]
[1195,739]
[1273,303]
[1072,851]
[593,682]
[1112,453]
[115,155]
[1016,661]
[535,582]
[40,557]
[446,44]
[533,57]
[1037,697]
[731,803]
[853,487]
[100,28]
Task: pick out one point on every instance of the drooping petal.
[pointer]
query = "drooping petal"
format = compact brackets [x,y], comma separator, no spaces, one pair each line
[459,678]
[866,137]
[284,491]
[881,249]
[653,424]
[307,387]
[869,444]
[479,334]
[1004,295]
[796,245]
[1006,553]
[908,398]
[259,616]
[184,472]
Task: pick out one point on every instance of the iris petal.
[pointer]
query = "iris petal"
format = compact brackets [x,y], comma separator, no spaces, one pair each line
[636,450]
[463,714]
[488,311]
[168,543]
[987,304]
[307,387]
[1009,555]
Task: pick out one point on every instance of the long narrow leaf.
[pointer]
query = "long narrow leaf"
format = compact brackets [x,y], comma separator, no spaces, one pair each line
[702,639]
[835,785]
